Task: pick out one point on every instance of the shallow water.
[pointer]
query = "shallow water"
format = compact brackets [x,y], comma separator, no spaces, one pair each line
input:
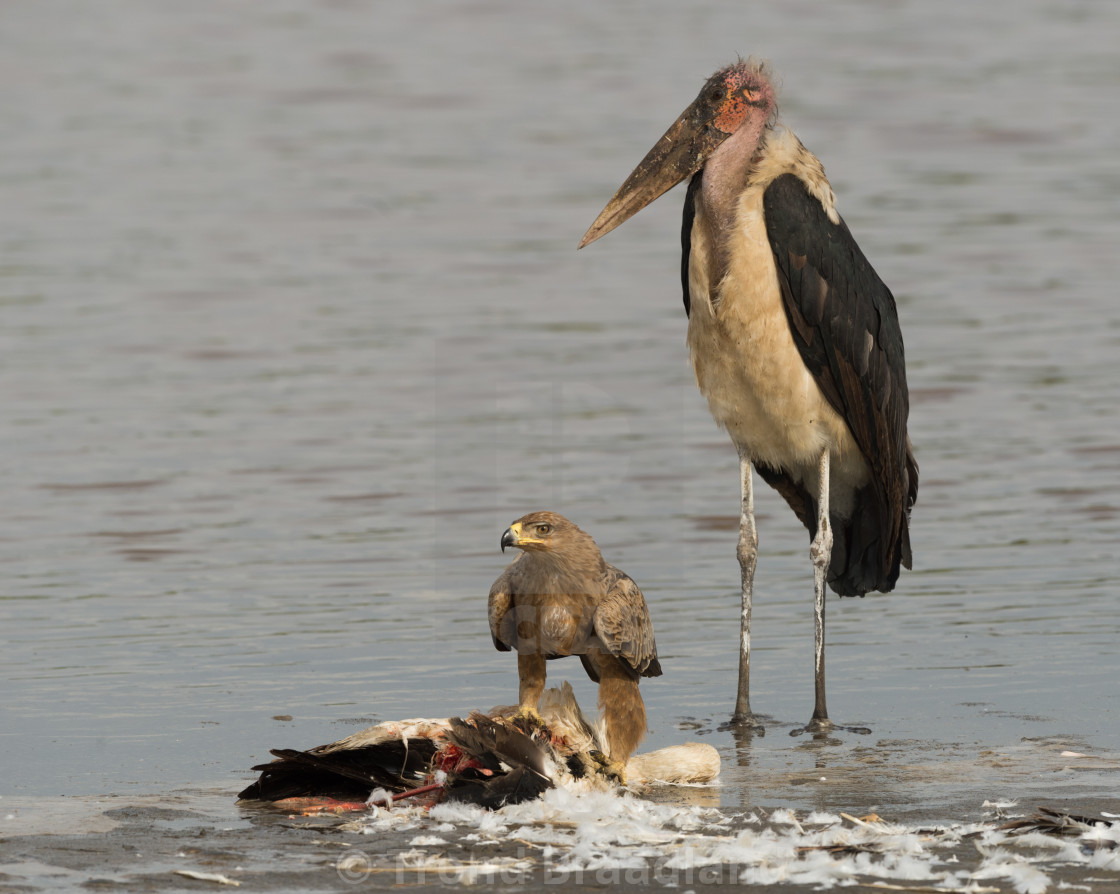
[292,327]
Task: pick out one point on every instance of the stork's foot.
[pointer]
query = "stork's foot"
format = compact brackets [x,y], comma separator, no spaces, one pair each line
[748,722]
[822,726]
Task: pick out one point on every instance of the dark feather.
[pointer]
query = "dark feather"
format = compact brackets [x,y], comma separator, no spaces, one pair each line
[344,774]
[481,735]
[483,738]
[519,785]
[845,325]
[1057,822]
[686,236]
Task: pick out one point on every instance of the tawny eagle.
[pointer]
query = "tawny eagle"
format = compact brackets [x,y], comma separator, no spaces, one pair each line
[561,597]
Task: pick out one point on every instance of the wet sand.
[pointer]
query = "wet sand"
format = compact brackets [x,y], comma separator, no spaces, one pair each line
[138,843]
[141,845]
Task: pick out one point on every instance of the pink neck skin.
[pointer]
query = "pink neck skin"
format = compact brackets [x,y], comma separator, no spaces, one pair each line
[725,173]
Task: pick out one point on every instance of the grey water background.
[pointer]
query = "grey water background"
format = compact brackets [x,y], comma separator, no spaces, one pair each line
[293,326]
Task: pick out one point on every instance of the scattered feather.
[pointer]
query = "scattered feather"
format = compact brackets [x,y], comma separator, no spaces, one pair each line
[580,832]
[214,877]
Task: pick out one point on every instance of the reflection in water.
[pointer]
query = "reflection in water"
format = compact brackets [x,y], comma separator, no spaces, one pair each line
[743,735]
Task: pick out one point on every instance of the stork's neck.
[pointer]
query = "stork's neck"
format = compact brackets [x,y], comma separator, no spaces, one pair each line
[725,173]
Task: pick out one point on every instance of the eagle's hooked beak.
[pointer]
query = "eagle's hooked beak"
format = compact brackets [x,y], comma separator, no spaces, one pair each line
[512,536]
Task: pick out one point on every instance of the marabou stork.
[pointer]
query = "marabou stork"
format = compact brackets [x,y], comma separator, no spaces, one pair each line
[793,338]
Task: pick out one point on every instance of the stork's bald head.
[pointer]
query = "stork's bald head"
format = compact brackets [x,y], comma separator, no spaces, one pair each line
[544,532]
[737,101]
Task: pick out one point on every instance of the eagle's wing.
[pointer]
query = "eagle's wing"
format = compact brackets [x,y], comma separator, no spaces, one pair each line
[500,602]
[623,624]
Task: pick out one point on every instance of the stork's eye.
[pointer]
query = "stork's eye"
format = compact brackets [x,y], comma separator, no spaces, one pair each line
[544,529]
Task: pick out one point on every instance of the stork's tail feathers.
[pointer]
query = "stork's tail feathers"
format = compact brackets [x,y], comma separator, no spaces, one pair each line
[866,553]
[858,562]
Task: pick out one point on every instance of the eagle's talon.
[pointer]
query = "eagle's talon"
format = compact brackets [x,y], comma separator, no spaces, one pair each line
[597,762]
[529,719]
[616,772]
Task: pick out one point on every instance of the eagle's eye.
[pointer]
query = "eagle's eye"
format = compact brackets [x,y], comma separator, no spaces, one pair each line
[544,529]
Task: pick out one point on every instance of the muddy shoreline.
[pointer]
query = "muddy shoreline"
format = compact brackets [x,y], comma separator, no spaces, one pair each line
[143,843]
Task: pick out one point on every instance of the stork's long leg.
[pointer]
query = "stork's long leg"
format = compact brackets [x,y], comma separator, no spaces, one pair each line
[748,556]
[820,552]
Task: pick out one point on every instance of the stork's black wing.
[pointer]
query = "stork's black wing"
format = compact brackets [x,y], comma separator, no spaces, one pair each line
[845,325]
[686,235]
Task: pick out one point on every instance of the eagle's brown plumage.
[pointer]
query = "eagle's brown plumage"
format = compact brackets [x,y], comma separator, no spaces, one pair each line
[560,597]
